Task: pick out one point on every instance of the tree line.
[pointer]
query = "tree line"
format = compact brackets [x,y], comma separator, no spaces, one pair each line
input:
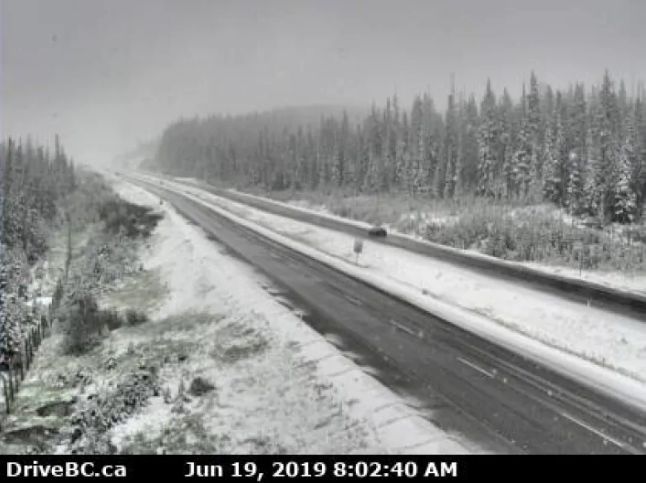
[581,148]
[33,181]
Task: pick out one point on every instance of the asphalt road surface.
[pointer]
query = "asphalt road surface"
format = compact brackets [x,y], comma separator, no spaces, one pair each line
[460,381]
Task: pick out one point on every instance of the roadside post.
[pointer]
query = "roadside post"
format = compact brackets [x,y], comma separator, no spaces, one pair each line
[596,252]
[358,248]
[578,249]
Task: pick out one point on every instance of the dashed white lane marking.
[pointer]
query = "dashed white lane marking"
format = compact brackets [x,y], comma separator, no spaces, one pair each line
[476,367]
[605,437]
[352,300]
[403,327]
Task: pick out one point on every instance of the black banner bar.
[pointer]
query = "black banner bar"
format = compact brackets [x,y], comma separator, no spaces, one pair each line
[267,468]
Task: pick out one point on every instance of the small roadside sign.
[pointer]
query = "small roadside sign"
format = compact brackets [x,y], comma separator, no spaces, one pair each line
[358,248]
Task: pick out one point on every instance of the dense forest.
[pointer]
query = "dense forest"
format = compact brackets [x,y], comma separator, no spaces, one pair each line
[583,149]
[33,181]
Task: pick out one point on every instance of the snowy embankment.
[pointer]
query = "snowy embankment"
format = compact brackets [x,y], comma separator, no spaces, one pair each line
[298,389]
[601,348]
[620,280]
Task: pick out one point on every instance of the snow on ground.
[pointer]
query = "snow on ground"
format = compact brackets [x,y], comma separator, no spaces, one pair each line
[624,280]
[304,204]
[299,389]
[609,348]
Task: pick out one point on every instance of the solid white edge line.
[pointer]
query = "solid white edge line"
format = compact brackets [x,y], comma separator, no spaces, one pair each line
[402,327]
[476,367]
[583,424]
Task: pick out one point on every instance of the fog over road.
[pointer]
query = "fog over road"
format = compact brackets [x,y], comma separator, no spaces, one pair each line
[463,382]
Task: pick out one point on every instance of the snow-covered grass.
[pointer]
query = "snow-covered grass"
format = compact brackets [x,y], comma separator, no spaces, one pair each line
[602,348]
[628,280]
[399,211]
[538,234]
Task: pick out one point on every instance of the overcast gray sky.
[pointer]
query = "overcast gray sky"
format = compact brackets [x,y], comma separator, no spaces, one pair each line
[106,74]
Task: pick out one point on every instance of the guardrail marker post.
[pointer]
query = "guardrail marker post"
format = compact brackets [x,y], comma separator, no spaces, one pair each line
[11,381]
[22,369]
[5,390]
[27,352]
[18,381]
[26,344]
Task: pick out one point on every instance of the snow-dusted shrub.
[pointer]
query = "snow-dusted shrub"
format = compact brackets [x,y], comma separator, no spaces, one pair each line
[120,216]
[238,341]
[200,386]
[100,411]
[185,433]
[57,297]
[111,319]
[105,259]
[135,317]
[93,442]
[82,323]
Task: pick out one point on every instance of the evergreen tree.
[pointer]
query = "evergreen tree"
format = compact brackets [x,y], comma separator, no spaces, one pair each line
[506,143]
[577,154]
[637,133]
[608,124]
[31,185]
[552,161]
[468,147]
[488,144]
[376,167]
[625,199]
[401,155]
[451,149]
[522,159]
[416,147]
[534,134]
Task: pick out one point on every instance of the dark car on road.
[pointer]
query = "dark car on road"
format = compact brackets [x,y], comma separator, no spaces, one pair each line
[377,231]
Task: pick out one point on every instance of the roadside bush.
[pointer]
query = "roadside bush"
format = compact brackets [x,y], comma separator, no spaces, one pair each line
[236,342]
[110,319]
[99,412]
[134,317]
[57,297]
[636,233]
[83,324]
[133,220]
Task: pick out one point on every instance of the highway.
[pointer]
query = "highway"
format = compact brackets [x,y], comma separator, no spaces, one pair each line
[460,381]
[598,295]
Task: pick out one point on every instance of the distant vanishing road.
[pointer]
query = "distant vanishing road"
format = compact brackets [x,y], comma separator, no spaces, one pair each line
[463,383]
